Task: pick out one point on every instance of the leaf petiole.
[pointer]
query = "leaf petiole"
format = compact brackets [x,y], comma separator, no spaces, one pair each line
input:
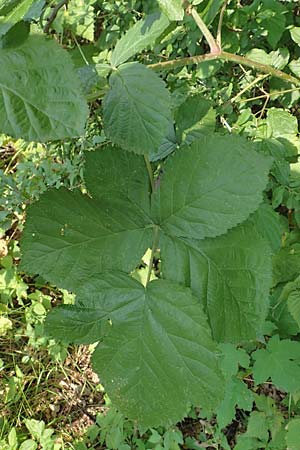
[153,249]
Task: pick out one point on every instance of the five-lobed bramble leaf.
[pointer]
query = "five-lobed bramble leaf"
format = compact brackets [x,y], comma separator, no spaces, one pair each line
[153,339]
[137,110]
[153,336]
[139,37]
[54,109]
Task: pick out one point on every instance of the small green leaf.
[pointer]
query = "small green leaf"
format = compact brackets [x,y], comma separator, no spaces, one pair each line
[195,118]
[293,434]
[14,16]
[236,394]
[35,427]
[139,37]
[273,21]
[295,66]
[210,187]
[5,325]
[259,55]
[13,439]
[282,122]
[280,361]
[232,357]
[293,303]
[172,8]
[295,34]
[269,225]
[29,444]
[55,108]
[258,426]
[137,110]
[286,264]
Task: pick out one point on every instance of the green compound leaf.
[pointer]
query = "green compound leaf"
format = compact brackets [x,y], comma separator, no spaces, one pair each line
[209,187]
[280,361]
[54,109]
[137,112]
[110,172]
[231,274]
[139,37]
[172,8]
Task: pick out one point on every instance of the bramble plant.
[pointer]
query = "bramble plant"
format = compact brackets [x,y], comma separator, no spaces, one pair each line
[169,183]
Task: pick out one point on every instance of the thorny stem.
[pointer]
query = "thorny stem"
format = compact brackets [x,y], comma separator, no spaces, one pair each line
[153,249]
[219,32]
[150,172]
[224,56]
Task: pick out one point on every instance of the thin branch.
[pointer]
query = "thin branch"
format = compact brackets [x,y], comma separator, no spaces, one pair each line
[53,15]
[80,50]
[249,86]
[264,68]
[153,250]
[270,94]
[219,32]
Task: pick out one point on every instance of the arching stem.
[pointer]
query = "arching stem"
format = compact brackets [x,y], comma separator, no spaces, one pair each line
[264,68]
